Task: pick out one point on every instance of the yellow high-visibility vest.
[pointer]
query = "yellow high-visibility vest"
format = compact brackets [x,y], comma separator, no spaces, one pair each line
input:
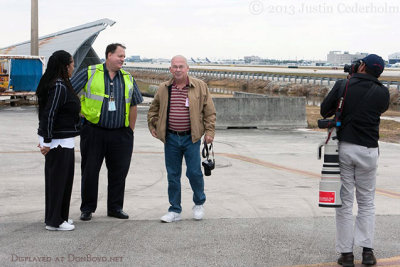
[94,94]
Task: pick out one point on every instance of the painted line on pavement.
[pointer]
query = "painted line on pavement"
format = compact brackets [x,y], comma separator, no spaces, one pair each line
[382,192]
[390,262]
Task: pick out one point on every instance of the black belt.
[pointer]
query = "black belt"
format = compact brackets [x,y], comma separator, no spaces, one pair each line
[179,133]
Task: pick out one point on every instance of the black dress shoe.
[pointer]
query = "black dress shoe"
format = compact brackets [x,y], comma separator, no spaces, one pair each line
[346,260]
[368,258]
[120,214]
[86,216]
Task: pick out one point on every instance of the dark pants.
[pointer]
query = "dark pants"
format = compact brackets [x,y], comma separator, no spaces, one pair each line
[59,177]
[114,145]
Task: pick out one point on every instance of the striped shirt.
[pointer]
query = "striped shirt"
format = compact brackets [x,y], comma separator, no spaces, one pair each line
[116,88]
[179,116]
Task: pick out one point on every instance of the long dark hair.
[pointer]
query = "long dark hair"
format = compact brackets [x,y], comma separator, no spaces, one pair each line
[56,69]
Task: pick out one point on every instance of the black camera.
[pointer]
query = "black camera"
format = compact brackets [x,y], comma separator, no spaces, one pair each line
[208,165]
[353,67]
[328,123]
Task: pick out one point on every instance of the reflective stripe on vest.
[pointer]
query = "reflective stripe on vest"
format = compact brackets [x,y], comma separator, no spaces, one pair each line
[88,93]
[94,94]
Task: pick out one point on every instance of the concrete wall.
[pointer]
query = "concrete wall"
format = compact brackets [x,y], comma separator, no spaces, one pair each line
[261,112]
[243,94]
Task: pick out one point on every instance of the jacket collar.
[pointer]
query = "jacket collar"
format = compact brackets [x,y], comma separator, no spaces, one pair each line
[366,77]
[191,84]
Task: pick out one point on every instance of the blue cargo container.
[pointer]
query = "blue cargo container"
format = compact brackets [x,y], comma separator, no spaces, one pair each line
[24,72]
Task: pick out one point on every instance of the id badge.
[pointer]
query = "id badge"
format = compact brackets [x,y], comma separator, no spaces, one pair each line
[111,105]
[187,102]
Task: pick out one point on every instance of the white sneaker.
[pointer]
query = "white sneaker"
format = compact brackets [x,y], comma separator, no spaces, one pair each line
[198,212]
[70,221]
[171,217]
[63,227]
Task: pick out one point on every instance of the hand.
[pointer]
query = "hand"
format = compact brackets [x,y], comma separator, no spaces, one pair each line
[44,149]
[208,139]
[154,133]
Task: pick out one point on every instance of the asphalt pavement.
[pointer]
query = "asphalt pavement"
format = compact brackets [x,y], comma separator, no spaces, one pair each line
[261,210]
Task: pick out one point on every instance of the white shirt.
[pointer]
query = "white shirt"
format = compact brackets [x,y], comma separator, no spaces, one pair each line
[65,143]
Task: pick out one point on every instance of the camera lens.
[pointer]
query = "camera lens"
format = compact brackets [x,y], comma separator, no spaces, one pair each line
[208,166]
[347,68]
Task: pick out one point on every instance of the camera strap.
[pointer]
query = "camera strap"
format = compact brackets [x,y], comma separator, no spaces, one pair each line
[338,113]
[342,96]
[206,151]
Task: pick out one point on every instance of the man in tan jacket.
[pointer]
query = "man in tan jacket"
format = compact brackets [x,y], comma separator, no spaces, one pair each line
[181,112]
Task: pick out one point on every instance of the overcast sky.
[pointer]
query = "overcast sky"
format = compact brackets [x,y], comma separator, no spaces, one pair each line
[291,29]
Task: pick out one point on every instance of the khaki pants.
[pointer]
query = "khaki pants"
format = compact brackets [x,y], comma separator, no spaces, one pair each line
[358,166]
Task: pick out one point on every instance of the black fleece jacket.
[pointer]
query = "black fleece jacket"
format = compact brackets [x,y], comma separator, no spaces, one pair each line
[366,99]
[59,119]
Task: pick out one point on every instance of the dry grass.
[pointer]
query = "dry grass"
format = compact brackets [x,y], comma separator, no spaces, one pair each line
[389,130]
[312,113]
[258,86]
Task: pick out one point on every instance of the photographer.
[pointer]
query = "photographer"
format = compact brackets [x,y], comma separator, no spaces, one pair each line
[365,99]
[181,112]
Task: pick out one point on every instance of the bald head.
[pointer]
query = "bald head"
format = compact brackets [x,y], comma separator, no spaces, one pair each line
[180,58]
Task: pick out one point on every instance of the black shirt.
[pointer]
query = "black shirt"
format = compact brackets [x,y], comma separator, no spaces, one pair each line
[365,100]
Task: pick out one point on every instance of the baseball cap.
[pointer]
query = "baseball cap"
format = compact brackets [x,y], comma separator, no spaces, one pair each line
[374,63]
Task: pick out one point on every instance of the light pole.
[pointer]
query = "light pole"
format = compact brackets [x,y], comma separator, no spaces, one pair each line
[34,28]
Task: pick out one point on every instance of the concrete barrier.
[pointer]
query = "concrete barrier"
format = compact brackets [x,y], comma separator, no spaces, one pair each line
[248,95]
[261,112]
[152,89]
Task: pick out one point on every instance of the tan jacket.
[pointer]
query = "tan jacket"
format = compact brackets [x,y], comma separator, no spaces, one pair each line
[201,109]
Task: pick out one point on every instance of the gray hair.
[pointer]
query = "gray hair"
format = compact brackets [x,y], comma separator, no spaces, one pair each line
[179,56]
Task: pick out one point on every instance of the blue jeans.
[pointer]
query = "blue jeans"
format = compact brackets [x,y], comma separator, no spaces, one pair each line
[175,148]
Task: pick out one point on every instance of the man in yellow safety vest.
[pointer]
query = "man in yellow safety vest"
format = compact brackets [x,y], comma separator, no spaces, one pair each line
[109,99]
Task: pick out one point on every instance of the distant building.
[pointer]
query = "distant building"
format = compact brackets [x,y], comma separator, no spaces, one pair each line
[249,59]
[337,58]
[77,41]
[394,58]
[133,59]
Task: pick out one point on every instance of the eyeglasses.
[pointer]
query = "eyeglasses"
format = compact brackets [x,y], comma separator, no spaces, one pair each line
[175,67]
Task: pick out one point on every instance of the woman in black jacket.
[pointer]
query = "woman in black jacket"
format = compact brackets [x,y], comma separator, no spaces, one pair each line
[59,109]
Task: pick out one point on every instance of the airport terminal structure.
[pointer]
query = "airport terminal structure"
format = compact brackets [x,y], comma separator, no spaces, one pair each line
[394,58]
[77,41]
